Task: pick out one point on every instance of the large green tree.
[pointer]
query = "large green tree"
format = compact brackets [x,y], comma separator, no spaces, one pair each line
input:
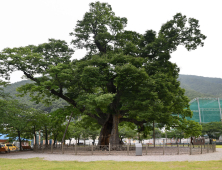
[14,119]
[127,130]
[212,129]
[126,76]
[84,127]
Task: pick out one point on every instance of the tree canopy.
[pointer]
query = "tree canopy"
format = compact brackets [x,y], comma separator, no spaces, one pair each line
[126,76]
[14,119]
[212,129]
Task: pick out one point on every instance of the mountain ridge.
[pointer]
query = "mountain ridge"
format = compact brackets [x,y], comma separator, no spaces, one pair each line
[195,86]
[202,86]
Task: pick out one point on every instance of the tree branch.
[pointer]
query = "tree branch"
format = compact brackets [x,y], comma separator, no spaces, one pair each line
[61,95]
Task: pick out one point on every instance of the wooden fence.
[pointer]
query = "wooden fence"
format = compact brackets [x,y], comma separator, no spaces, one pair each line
[148,149]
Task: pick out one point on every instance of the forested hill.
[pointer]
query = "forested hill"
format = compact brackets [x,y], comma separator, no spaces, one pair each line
[195,86]
[11,89]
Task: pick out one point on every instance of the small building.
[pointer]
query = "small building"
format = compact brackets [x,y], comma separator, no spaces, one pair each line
[3,138]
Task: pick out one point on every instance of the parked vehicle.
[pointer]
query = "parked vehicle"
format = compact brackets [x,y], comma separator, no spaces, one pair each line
[6,149]
[9,147]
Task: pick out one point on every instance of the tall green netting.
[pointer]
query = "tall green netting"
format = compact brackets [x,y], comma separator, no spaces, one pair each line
[206,110]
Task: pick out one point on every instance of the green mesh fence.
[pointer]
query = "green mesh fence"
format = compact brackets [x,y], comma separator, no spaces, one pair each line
[206,110]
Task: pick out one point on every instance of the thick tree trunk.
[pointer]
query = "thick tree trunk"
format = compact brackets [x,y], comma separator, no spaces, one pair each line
[153,134]
[63,139]
[106,130]
[114,138]
[35,136]
[109,132]
[46,136]
[20,142]
[55,137]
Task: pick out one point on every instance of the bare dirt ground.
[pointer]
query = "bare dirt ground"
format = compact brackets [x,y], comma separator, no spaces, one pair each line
[87,158]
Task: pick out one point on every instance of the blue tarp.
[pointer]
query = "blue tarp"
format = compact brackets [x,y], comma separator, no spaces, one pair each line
[2,136]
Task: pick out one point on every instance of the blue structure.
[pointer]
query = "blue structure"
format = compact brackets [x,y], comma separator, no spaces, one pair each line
[3,137]
[206,110]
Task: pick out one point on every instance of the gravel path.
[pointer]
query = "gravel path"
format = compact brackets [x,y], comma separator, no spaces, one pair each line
[82,158]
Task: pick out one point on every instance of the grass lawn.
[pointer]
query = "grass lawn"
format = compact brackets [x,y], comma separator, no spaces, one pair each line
[37,163]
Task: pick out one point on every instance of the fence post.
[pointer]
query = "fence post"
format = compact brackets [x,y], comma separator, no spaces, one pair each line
[178,147]
[51,147]
[146,149]
[92,149]
[208,148]
[62,148]
[163,147]
[190,149]
[215,146]
[127,148]
[109,148]
[76,149]
[42,148]
[201,149]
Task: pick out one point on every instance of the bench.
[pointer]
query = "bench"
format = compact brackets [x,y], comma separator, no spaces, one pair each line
[3,150]
[26,147]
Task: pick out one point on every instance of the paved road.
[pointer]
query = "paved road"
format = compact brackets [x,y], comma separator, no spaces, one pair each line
[82,158]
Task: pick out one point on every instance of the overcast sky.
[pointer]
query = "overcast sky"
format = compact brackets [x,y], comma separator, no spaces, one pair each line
[25,22]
